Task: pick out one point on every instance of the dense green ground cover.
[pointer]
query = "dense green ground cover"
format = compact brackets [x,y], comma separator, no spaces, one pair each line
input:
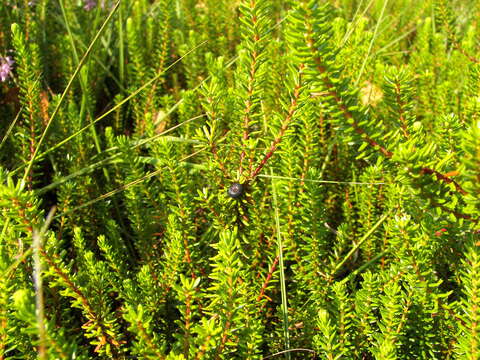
[219,179]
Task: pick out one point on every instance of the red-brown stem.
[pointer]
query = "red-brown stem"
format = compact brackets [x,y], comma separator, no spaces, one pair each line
[214,151]
[160,68]
[188,312]
[3,339]
[203,348]
[348,115]
[443,178]
[333,93]
[250,162]
[286,122]
[213,146]
[457,214]
[451,35]
[400,111]
[32,147]
[55,345]
[27,222]
[224,338]
[250,90]
[92,316]
[306,161]
[228,323]
[182,216]
[22,214]
[248,109]
[463,52]
[148,340]
[268,278]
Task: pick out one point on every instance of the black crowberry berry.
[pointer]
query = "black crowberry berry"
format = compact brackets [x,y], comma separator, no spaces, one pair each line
[236,190]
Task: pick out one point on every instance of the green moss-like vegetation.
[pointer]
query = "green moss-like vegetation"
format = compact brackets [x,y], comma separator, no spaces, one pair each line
[351,129]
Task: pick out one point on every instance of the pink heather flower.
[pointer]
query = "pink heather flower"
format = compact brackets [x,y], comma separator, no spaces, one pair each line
[6,64]
[89,4]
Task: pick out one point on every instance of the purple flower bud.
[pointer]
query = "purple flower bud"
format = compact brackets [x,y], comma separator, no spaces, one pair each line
[89,4]
[6,64]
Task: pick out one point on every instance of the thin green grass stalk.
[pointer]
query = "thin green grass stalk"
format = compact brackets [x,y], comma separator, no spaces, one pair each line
[116,107]
[124,187]
[320,181]
[365,266]
[83,46]
[360,73]
[356,19]
[111,160]
[38,281]
[10,128]
[83,77]
[360,242]
[67,88]
[286,352]
[395,41]
[134,93]
[283,287]
[352,284]
[17,262]
[121,47]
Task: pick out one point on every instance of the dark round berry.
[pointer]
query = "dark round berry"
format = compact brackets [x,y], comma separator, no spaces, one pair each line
[235,190]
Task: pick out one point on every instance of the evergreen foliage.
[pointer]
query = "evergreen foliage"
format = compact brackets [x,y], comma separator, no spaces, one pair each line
[352,128]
